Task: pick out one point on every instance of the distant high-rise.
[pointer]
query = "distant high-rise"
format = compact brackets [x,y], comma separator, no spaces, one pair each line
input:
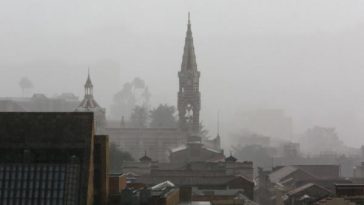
[189,103]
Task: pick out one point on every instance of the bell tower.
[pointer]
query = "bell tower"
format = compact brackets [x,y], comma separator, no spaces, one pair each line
[189,102]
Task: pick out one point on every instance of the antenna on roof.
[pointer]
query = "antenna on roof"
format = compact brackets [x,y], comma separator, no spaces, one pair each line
[218,123]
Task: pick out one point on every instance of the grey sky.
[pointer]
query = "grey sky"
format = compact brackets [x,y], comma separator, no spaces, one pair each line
[302,56]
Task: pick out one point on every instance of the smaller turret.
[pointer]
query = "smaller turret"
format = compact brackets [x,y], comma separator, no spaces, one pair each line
[89,104]
[145,158]
[230,158]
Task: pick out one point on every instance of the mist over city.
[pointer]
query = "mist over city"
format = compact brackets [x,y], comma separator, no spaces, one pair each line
[267,94]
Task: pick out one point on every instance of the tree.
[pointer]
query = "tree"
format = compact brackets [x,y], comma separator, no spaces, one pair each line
[321,140]
[163,117]
[146,97]
[133,93]
[139,117]
[138,83]
[25,84]
[117,157]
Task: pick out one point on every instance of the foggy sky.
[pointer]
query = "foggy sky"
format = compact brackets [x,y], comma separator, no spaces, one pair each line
[306,57]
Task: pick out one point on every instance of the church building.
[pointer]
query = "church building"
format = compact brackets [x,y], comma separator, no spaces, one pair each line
[161,143]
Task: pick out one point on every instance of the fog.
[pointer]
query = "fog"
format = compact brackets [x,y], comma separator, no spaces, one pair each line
[305,57]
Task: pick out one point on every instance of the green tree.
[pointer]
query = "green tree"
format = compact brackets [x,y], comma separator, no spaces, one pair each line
[163,117]
[139,117]
[117,157]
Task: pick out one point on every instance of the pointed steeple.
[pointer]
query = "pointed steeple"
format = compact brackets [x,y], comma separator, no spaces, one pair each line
[189,21]
[88,102]
[189,98]
[189,57]
[88,81]
[88,84]
[231,158]
[145,158]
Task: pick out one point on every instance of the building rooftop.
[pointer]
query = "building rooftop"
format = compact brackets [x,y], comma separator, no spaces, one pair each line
[281,173]
[190,180]
[48,154]
[304,187]
[50,129]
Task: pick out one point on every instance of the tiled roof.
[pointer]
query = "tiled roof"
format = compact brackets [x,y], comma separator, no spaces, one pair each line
[305,187]
[145,158]
[189,180]
[230,158]
[281,173]
[88,103]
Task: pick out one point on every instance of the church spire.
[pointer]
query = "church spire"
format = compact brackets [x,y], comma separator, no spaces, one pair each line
[189,57]
[188,17]
[189,95]
[218,124]
[88,101]
[89,104]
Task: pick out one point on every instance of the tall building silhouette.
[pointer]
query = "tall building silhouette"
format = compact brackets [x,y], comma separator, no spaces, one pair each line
[189,102]
[161,143]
